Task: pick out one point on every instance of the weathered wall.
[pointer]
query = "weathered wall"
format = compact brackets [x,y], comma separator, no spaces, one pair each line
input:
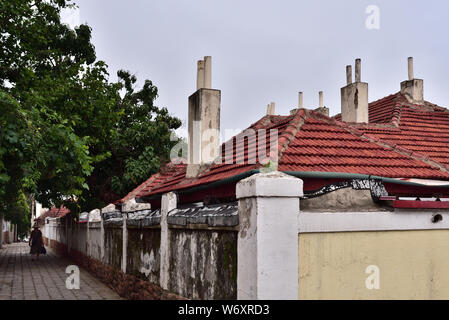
[202,259]
[345,199]
[203,264]
[143,255]
[95,240]
[79,237]
[113,246]
[413,264]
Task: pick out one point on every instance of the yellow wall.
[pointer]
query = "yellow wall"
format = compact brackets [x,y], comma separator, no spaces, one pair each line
[413,264]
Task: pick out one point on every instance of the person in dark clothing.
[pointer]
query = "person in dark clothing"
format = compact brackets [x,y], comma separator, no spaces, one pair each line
[36,242]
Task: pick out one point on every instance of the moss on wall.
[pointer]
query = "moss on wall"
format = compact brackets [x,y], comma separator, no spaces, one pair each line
[203,264]
[143,255]
[113,242]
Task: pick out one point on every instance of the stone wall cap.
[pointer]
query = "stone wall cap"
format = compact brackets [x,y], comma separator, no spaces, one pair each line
[131,206]
[271,184]
[109,208]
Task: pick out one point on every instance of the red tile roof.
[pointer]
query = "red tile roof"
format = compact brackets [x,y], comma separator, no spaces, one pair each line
[422,129]
[54,213]
[402,140]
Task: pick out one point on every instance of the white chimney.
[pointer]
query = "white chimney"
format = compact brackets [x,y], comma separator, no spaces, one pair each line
[270,109]
[300,100]
[204,120]
[322,109]
[354,96]
[320,96]
[413,89]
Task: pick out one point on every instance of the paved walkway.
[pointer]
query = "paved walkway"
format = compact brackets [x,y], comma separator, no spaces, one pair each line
[24,279]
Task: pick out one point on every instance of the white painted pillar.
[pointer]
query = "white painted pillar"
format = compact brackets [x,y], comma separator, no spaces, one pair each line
[169,202]
[125,241]
[267,247]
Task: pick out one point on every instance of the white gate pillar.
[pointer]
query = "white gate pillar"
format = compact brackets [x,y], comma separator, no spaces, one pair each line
[169,202]
[267,247]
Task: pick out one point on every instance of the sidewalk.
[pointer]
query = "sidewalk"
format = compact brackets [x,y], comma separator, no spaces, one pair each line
[24,279]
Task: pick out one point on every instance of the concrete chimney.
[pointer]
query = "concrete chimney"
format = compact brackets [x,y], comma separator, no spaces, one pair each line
[413,89]
[322,109]
[320,96]
[270,109]
[348,75]
[208,72]
[204,121]
[204,73]
[300,100]
[200,75]
[354,96]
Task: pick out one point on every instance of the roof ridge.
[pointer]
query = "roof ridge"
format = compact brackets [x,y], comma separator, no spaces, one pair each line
[397,109]
[292,128]
[143,185]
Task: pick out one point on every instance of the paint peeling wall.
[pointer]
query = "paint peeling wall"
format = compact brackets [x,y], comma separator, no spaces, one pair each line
[79,237]
[143,255]
[202,261]
[203,264]
[95,240]
[113,238]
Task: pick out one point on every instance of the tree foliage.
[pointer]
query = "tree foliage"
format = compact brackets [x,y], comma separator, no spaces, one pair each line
[66,134]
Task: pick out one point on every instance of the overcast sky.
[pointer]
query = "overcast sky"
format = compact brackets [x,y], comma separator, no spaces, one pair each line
[265,51]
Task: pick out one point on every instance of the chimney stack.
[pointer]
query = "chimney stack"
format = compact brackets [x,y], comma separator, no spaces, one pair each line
[322,109]
[348,75]
[300,100]
[320,96]
[200,75]
[412,89]
[270,109]
[354,96]
[204,120]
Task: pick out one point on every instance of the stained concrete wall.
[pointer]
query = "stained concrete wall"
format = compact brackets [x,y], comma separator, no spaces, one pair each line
[202,261]
[79,237]
[95,240]
[412,264]
[143,254]
[113,238]
[346,199]
[203,264]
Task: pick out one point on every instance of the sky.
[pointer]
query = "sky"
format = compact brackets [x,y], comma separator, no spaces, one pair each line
[266,51]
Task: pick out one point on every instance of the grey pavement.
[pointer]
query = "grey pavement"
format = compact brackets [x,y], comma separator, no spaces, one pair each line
[24,279]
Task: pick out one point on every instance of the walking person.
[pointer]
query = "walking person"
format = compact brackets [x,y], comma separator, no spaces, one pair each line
[36,243]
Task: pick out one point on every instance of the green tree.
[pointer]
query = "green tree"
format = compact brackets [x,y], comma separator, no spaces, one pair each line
[66,134]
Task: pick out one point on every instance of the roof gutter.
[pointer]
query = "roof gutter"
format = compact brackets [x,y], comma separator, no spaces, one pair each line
[214,184]
[298,174]
[343,175]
